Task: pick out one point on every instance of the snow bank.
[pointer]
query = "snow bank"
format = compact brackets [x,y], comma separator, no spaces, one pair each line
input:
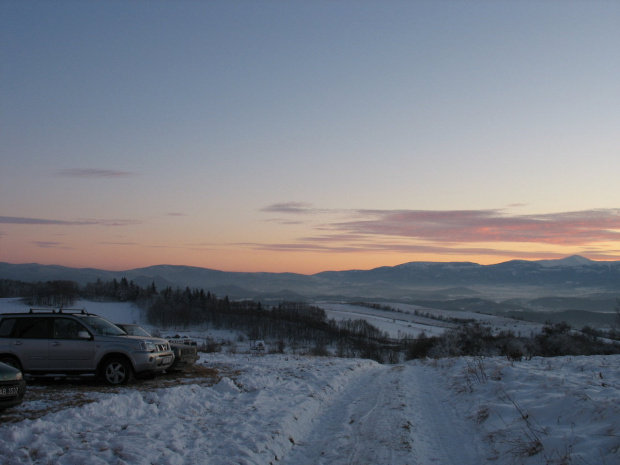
[547,410]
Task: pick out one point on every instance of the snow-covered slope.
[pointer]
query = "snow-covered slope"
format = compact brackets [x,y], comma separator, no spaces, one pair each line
[302,410]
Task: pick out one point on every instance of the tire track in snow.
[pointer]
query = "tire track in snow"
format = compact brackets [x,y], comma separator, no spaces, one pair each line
[389,415]
[440,436]
[353,428]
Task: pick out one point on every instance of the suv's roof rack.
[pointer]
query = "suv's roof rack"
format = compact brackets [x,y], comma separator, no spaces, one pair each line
[81,311]
[42,310]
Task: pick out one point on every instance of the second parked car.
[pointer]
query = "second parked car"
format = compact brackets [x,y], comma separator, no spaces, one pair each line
[12,386]
[185,350]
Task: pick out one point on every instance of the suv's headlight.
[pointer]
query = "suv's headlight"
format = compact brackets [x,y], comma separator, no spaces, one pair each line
[147,345]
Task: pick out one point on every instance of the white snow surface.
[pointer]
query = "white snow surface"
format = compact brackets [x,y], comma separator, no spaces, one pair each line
[300,410]
[297,410]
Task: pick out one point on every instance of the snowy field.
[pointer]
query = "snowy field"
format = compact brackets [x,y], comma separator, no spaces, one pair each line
[401,319]
[297,410]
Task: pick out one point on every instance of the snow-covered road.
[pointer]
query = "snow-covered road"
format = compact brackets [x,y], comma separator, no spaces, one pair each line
[387,415]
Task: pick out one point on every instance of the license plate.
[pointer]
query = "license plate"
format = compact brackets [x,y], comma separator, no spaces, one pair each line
[167,359]
[8,391]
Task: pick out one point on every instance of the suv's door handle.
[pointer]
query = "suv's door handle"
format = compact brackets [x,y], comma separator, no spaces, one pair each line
[17,343]
[55,343]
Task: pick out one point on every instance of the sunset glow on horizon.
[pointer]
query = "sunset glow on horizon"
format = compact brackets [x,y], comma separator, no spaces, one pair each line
[308,136]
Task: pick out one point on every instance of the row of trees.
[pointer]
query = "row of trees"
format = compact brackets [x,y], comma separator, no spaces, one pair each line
[417,312]
[63,293]
[118,291]
[478,340]
[42,294]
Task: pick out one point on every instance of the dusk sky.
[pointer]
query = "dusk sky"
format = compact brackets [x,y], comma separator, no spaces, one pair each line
[307,136]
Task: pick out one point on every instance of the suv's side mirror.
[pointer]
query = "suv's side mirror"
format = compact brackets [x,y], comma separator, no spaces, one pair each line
[83,335]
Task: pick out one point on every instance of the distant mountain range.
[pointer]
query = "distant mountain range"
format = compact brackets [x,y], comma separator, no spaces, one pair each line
[575,289]
[414,281]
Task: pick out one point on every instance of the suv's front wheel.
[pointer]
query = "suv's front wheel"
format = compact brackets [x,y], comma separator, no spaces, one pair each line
[116,371]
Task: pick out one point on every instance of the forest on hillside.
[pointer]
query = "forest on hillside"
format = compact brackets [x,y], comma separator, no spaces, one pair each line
[295,324]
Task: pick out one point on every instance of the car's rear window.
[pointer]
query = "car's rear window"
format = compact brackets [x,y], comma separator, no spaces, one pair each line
[32,328]
[6,327]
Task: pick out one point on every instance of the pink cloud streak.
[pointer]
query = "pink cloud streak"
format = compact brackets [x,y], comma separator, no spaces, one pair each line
[569,228]
[436,231]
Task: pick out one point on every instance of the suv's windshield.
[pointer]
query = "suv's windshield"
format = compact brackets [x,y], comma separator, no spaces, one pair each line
[135,330]
[102,327]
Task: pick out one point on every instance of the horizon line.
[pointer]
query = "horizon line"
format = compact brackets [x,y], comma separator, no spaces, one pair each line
[319,272]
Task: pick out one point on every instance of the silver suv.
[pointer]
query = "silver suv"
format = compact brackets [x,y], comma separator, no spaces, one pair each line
[75,342]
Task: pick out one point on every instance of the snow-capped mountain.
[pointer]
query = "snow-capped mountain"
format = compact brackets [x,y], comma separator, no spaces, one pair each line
[573,260]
